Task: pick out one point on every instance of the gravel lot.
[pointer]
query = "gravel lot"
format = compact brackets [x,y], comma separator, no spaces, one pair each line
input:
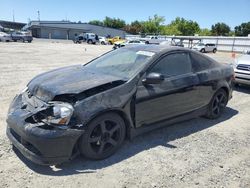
[196,153]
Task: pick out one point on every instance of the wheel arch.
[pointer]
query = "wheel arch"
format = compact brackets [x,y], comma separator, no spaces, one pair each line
[226,90]
[120,112]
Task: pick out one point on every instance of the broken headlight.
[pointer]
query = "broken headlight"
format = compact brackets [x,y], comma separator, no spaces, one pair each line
[61,113]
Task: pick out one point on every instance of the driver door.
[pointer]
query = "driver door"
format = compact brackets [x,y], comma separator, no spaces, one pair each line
[174,96]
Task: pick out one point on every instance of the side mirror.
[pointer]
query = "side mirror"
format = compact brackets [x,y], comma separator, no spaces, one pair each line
[153,78]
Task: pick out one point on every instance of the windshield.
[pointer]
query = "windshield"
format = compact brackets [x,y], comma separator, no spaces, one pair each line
[123,63]
[200,44]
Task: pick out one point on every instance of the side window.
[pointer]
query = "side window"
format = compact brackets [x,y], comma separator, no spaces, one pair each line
[200,63]
[173,65]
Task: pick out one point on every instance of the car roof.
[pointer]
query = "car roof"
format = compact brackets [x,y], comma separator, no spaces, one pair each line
[156,48]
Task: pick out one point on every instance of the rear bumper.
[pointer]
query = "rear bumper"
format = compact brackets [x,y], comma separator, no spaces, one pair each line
[38,144]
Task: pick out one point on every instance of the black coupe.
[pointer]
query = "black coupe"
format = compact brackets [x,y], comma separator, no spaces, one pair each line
[90,109]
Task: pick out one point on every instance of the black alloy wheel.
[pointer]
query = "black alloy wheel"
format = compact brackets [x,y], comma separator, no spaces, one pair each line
[217,104]
[103,136]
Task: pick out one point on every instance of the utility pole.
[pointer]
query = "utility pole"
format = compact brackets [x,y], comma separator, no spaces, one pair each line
[38,15]
[13,15]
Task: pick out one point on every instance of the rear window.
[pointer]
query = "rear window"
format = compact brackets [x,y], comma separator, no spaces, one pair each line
[173,65]
[200,62]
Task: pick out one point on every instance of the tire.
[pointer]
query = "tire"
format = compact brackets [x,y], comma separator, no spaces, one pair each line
[90,41]
[29,41]
[203,50]
[217,104]
[103,136]
[102,43]
[214,50]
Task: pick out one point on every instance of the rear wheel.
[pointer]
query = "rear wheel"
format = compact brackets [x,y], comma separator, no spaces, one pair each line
[103,136]
[217,104]
[90,41]
[103,43]
[214,50]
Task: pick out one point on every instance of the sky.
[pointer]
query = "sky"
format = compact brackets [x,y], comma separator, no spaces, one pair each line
[206,13]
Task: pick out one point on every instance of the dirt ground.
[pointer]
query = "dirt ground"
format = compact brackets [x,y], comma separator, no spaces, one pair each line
[195,153]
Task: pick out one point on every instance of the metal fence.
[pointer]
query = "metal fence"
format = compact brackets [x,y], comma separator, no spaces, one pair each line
[227,44]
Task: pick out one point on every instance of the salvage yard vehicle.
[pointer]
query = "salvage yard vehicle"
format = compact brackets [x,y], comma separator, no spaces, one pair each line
[242,69]
[91,109]
[78,39]
[102,40]
[4,37]
[209,47]
[120,44]
[21,36]
[90,38]
[111,41]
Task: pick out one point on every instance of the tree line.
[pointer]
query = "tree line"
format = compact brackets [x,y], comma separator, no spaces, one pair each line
[179,26]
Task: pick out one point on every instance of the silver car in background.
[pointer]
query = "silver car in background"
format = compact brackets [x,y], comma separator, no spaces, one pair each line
[242,69]
[4,37]
[205,47]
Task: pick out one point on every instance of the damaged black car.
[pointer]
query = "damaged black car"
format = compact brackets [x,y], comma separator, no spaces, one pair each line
[91,109]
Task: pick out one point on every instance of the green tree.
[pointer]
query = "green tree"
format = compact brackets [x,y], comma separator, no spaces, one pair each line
[220,29]
[171,30]
[114,22]
[243,29]
[180,26]
[205,32]
[153,25]
[134,28]
[96,22]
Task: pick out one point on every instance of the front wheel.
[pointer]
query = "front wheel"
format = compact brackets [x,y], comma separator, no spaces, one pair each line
[103,136]
[90,41]
[203,50]
[214,50]
[217,104]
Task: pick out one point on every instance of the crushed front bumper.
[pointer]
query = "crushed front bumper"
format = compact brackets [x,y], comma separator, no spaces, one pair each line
[38,143]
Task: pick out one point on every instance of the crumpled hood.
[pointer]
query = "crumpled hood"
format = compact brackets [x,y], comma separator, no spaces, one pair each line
[67,80]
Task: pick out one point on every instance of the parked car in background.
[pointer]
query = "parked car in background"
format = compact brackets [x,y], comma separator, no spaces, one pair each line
[92,108]
[242,69]
[120,44]
[78,39]
[21,36]
[102,40]
[153,40]
[90,38]
[4,37]
[205,47]
[115,39]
